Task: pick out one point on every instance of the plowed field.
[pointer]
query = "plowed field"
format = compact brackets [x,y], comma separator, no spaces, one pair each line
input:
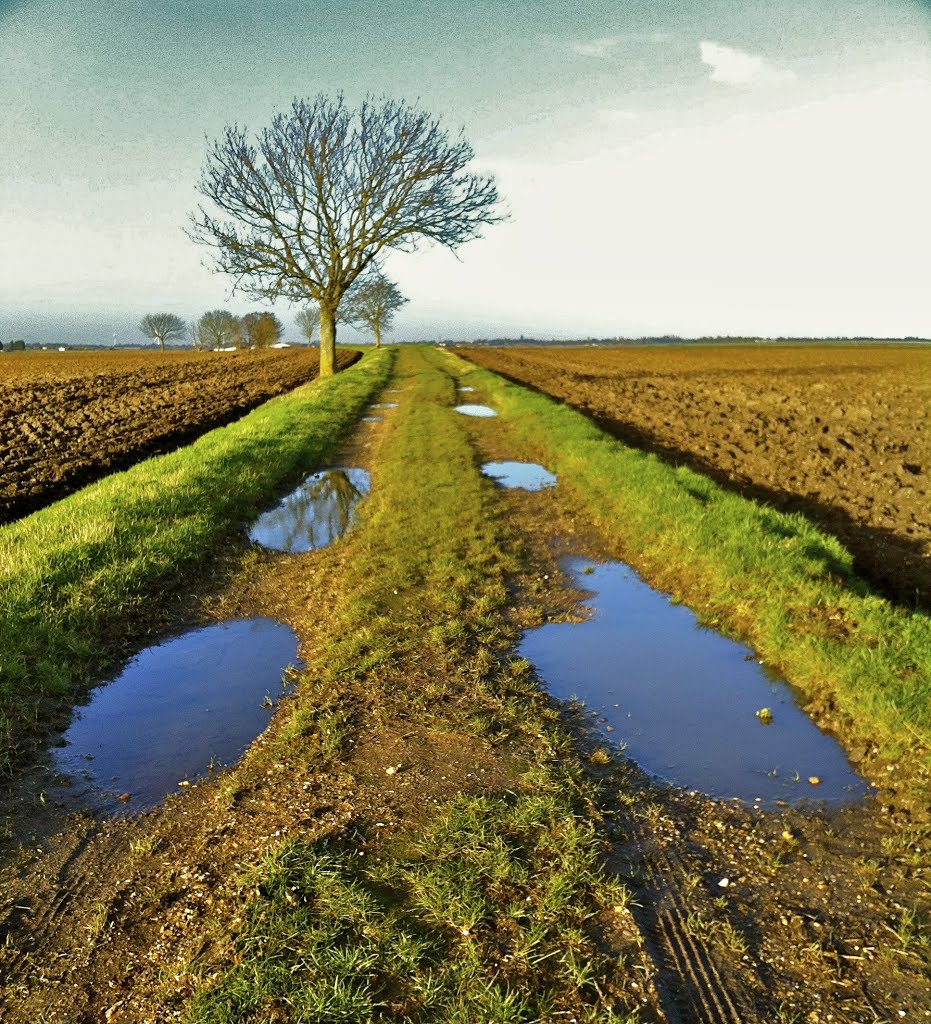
[842,434]
[69,418]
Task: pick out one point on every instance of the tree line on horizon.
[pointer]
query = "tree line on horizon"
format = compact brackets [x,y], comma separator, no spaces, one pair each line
[371,303]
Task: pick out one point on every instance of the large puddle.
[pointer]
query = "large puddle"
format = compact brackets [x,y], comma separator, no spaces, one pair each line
[314,514]
[527,476]
[475,410]
[177,709]
[687,704]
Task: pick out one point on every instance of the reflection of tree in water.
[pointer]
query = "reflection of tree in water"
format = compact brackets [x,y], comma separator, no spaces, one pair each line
[314,515]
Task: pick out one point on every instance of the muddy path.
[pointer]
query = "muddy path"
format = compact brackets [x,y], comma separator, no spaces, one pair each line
[823,917]
[68,420]
[839,434]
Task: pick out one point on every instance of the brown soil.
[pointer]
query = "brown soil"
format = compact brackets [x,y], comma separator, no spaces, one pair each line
[820,920]
[840,433]
[71,418]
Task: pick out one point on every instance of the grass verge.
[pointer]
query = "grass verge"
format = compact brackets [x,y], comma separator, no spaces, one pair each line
[74,575]
[769,578]
[490,906]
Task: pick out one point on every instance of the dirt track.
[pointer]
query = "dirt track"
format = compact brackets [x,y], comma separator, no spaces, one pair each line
[71,418]
[840,433]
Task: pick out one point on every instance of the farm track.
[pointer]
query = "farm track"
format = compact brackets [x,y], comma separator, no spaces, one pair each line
[841,434]
[69,419]
[111,932]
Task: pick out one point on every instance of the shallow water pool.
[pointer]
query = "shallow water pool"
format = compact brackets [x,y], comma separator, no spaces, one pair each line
[177,708]
[314,514]
[682,699]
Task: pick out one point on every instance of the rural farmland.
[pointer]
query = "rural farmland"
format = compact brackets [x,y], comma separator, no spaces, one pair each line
[429,827]
[839,433]
[69,418]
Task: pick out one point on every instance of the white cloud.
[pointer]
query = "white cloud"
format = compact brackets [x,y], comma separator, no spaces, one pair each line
[606,45]
[737,68]
[596,47]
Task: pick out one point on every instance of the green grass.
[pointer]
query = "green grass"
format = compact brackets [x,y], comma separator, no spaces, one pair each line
[75,574]
[769,578]
[490,910]
[482,917]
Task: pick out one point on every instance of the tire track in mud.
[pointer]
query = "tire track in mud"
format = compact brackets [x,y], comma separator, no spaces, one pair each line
[689,969]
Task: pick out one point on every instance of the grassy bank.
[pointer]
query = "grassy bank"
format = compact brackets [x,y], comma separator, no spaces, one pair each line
[768,578]
[489,906]
[75,575]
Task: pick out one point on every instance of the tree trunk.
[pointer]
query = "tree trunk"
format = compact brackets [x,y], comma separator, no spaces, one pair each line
[327,342]
[377,335]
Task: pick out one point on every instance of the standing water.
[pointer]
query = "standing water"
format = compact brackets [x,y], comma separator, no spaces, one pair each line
[314,514]
[475,410]
[178,708]
[525,476]
[687,703]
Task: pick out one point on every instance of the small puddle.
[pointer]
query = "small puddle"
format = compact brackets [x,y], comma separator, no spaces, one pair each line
[683,699]
[386,405]
[466,389]
[475,410]
[527,476]
[178,708]
[314,514]
[373,419]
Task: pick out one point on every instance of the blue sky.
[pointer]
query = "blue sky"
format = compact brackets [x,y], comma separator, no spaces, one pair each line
[670,167]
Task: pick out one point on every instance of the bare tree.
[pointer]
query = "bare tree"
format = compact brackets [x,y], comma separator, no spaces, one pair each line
[308,209]
[217,328]
[372,302]
[308,319]
[262,330]
[162,327]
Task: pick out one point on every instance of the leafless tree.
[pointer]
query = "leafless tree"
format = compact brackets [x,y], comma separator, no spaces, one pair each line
[162,327]
[308,319]
[217,328]
[307,209]
[372,302]
[262,330]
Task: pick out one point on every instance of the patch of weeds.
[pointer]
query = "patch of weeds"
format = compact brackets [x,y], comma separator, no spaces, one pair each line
[484,916]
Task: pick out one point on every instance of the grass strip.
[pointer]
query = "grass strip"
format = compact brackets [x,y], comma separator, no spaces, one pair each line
[766,577]
[494,908]
[73,574]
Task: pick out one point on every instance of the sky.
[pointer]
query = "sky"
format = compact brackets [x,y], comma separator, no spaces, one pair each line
[690,167]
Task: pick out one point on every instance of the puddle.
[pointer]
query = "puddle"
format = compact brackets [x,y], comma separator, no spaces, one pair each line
[373,419]
[177,708]
[386,405]
[475,410]
[527,476]
[683,699]
[466,389]
[314,514]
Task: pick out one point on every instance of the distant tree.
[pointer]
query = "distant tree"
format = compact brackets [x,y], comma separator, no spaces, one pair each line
[372,302]
[308,320]
[217,328]
[306,211]
[262,330]
[162,327]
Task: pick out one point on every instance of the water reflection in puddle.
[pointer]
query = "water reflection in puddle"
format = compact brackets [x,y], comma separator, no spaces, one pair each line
[475,410]
[314,514]
[527,476]
[177,708]
[464,388]
[684,699]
